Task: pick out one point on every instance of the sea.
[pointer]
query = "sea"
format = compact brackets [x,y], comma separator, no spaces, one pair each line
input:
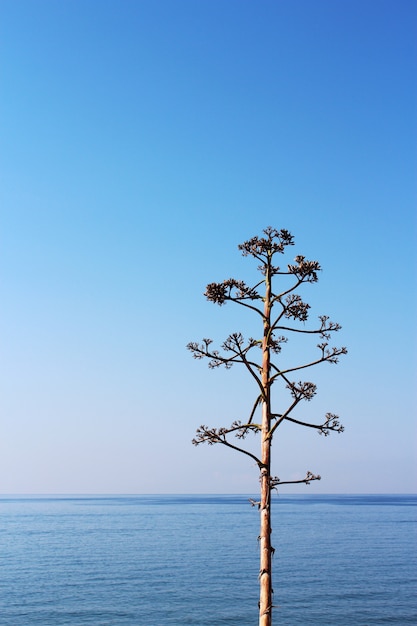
[175,560]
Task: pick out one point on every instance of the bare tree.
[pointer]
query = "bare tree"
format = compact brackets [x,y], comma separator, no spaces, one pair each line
[281,314]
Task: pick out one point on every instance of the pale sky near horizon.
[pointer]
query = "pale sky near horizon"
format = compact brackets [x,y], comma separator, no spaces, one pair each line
[142,141]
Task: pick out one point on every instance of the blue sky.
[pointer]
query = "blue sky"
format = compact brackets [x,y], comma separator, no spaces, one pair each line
[141,143]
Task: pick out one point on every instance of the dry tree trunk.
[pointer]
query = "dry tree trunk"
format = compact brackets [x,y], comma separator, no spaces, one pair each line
[265,574]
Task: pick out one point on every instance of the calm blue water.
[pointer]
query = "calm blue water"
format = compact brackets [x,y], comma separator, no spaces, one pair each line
[161,560]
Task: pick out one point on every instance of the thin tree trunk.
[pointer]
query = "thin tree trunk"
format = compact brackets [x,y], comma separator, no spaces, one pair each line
[265,574]
[265,599]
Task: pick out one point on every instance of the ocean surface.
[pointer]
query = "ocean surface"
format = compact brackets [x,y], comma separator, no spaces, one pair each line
[178,560]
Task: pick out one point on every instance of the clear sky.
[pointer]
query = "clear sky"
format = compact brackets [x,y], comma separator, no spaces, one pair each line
[141,142]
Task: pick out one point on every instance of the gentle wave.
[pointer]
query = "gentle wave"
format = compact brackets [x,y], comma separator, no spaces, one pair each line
[163,560]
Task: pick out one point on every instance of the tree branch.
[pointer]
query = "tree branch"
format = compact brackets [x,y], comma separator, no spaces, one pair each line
[331,423]
[327,327]
[281,418]
[309,477]
[277,297]
[218,435]
[232,344]
[220,293]
[331,357]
